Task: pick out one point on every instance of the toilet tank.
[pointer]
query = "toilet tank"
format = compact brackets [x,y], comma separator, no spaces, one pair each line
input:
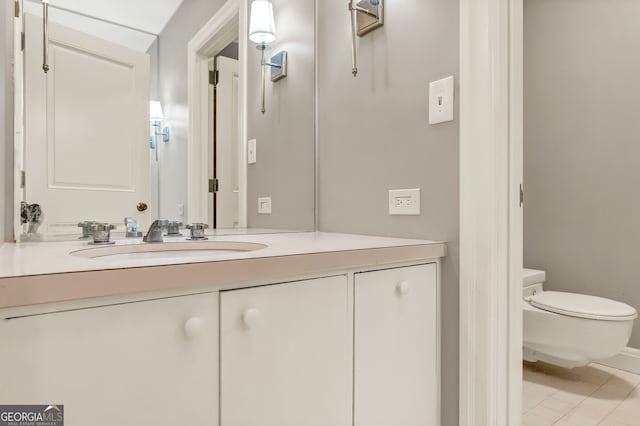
[532,277]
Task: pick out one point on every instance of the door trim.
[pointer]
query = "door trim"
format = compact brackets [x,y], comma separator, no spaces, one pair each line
[18,124]
[490,212]
[217,33]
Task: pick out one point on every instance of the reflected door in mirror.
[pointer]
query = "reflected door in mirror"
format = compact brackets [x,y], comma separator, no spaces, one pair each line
[86,132]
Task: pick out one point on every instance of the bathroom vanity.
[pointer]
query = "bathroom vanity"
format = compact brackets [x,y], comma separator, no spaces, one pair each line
[313,329]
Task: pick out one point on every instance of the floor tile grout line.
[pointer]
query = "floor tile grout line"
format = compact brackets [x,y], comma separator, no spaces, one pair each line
[611,376]
[619,403]
[555,389]
[584,399]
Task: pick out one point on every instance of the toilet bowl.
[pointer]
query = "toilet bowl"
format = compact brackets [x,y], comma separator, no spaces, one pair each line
[569,329]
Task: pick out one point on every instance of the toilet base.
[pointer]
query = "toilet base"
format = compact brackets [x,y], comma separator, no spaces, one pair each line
[532,355]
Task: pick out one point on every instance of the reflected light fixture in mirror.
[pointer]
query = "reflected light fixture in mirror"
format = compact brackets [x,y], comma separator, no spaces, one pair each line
[156,116]
[262,30]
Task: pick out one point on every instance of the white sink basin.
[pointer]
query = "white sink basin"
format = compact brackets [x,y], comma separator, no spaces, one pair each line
[173,250]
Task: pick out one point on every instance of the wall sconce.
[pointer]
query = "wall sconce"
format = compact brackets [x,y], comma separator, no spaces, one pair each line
[262,30]
[45,35]
[366,16]
[156,117]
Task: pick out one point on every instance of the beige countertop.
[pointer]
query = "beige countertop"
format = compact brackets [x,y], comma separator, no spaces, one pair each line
[45,272]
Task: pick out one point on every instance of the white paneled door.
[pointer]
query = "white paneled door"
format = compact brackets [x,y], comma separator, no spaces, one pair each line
[86,128]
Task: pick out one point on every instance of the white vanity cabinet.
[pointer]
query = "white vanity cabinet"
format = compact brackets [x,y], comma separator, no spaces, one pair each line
[354,347]
[143,363]
[396,371]
[285,354]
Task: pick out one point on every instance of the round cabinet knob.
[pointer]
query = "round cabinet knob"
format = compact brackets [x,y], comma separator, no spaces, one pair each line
[193,327]
[403,288]
[251,317]
[142,206]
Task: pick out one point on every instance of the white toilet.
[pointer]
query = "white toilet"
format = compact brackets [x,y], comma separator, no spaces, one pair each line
[569,329]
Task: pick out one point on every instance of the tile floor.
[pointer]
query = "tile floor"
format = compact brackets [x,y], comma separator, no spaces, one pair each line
[583,396]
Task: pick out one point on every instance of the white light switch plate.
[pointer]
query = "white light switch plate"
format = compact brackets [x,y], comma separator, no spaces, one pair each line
[441,101]
[404,202]
[252,154]
[264,205]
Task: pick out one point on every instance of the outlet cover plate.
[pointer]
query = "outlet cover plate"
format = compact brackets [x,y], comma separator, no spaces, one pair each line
[404,202]
[264,205]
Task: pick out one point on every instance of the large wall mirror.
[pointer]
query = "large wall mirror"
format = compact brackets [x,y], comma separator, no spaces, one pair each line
[147,109]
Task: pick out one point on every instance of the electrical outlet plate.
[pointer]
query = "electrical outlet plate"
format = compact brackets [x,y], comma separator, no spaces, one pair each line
[404,202]
[252,154]
[264,205]
[441,101]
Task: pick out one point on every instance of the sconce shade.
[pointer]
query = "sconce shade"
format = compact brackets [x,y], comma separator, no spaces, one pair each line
[262,27]
[155,111]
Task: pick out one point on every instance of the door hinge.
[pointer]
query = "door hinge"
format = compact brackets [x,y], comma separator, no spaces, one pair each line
[16,8]
[23,179]
[213,77]
[521,195]
[214,185]
[22,40]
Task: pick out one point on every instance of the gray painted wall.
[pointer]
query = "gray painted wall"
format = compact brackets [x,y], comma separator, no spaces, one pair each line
[172,84]
[285,134]
[6,122]
[581,146]
[375,136]
[285,168]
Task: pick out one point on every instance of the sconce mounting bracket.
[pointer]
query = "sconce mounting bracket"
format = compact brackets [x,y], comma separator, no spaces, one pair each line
[278,64]
[369,15]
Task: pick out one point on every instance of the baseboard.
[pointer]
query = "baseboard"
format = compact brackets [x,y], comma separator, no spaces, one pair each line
[628,360]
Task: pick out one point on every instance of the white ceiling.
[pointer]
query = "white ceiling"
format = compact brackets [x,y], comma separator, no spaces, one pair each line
[147,16]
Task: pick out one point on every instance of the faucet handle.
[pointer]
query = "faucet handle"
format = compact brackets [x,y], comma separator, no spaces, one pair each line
[197,230]
[132,228]
[86,228]
[173,228]
[101,233]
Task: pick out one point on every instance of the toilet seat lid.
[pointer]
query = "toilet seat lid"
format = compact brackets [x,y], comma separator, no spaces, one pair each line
[583,306]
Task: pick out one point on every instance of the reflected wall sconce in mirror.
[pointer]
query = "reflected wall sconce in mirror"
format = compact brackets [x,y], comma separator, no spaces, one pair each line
[45,35]
[366,16]
[156,117]
[262,30]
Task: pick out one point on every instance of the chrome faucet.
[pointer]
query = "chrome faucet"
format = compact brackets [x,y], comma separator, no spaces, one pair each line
[154,234]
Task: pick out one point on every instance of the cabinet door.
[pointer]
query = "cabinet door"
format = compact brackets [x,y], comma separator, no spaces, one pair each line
[143,363]
[285,354]
[396,381]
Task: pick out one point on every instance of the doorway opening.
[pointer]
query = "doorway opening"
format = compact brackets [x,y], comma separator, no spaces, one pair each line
[217,120]
[224,189]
